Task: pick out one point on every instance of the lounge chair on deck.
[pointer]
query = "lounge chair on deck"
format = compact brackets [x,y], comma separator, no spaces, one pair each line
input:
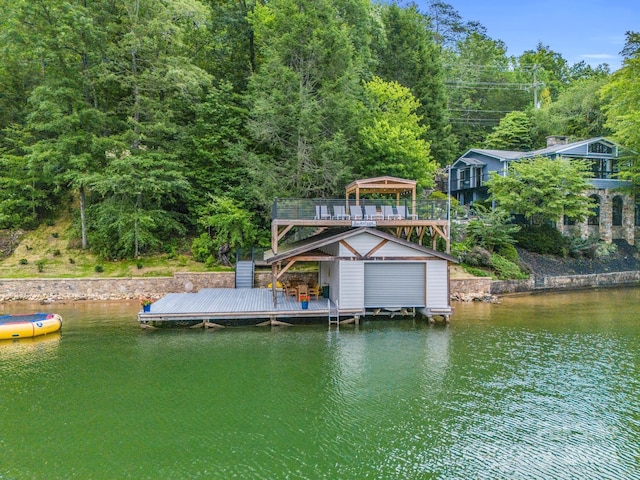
[370,213]
[322,213]
[356,212]
[402,211]
[339,213]
[389,214]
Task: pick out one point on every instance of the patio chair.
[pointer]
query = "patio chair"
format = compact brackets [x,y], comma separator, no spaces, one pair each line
[402,211]
[356,212]
[315,291]
[389,214]
[322,213]
[370,213]
[303,291]
[290,290]
[339,213]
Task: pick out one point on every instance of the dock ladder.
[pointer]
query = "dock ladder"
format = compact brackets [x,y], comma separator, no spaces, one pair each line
[334,314]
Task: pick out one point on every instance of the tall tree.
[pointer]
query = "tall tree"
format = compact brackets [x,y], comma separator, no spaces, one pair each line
[448,26]
[622,96]
[543,189]
[392,136]
[550,68]
[409,56]
[578,110]
[513,133]
[482,86]
[622,108]
[63,121]
[303,98]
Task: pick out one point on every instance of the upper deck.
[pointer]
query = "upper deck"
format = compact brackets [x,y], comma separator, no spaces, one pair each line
[403,217]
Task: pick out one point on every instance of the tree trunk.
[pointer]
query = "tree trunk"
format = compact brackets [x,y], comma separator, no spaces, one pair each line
[83,223]
[222,255]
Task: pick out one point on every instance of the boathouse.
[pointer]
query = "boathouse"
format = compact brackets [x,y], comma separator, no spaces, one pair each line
[368,252]
[372,272]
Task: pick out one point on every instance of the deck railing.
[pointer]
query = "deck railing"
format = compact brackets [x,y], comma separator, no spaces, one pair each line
[339,209]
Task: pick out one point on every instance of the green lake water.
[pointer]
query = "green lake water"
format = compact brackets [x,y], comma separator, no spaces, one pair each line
[536,387]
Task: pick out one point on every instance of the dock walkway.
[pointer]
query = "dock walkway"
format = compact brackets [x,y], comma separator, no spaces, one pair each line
[213,304]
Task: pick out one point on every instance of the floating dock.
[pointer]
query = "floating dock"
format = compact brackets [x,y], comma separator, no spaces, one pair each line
[247,306]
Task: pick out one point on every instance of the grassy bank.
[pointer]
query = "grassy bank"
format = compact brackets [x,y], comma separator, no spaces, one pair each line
[47,252]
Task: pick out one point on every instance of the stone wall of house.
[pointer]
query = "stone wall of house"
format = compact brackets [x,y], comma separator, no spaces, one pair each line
[605,229]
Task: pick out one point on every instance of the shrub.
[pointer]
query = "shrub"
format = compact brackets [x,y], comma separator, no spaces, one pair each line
[506,270]
[56,252]
[590,247]
[40,264]
[478,257]
[476,272]
[202,247]
[72,261]
[99,268]
[23,261]
[210,261]
[604,249]
[509,252]
[541,239]
[139,265]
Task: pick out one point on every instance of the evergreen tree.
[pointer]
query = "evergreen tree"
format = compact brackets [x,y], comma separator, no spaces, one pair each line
[303,98]
[410,57]
[513,133]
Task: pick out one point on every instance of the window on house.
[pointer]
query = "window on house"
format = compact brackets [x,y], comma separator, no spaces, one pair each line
[594,218]
[478,176]
[617,211]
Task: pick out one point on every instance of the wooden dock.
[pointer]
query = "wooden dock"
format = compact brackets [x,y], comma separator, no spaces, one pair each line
[225,305]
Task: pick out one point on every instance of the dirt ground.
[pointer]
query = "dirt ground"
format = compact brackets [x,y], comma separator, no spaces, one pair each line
[625,259]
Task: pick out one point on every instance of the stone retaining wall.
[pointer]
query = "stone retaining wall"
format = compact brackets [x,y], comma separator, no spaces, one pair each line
[470,289]
[54,289]
[540,283]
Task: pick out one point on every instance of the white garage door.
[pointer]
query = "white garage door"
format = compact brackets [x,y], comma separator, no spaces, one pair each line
[394,285]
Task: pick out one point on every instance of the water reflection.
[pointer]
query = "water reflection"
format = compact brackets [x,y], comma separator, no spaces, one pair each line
[534,387]
[23,351]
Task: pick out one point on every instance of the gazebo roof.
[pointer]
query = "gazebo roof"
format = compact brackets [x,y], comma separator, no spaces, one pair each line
[381,185]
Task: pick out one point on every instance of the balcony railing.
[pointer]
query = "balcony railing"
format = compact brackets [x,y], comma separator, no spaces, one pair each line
[339,209]
[473,182]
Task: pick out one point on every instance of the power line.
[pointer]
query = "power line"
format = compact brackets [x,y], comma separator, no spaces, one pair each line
[477,111]
[485,85]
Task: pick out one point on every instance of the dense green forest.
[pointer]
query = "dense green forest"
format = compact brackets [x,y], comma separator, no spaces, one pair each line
[154,121]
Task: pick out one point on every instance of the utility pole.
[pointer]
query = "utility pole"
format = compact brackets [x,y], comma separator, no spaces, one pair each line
[535,87]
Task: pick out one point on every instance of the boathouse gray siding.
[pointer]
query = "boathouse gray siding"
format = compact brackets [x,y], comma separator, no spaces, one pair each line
[419,282]
[437,283]
[352,285]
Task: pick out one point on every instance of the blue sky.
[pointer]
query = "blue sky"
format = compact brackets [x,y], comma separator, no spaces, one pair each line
[589,30]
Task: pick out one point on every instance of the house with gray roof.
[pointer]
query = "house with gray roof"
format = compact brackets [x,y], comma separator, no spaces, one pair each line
[616,215]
